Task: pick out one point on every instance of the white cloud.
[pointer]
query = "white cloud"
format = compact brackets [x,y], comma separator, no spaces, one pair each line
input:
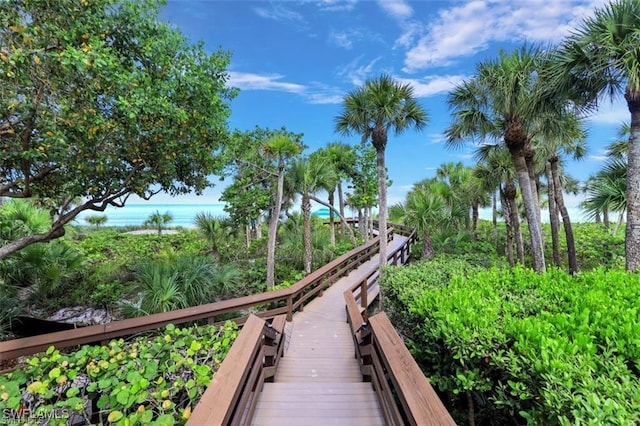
[251,81]
[342,39]
[467,28]
[357,73]
[436,138]
[337,5]
[279,13]
[611,113]
[598,157]
[399,9]
[433,85]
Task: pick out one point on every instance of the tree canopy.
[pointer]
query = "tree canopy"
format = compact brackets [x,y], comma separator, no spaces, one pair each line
[98,101]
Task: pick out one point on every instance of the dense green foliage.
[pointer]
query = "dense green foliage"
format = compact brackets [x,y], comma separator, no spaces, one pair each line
[149,380]
[100,100]
[523,347]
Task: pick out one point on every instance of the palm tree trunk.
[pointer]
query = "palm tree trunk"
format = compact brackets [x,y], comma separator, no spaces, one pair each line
[632,233]
[566,220]
[361,224]
[494,217]
[509,227]
[605,218]
[511,193]
[332,229]
[370,221]
[475,213]
[341,204]
[306,218]
[531,209]
[273,230]
[553,217]
[427,246]
[529,158]
[247,235]
[382,203]
[259,227]
[340,216]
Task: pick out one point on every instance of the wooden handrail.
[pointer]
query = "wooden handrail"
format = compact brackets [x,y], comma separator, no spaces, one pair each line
[405,395]
[231,397]
[284,301]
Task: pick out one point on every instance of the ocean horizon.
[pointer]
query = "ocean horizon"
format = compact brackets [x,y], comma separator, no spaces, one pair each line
[135,214]
[184,214]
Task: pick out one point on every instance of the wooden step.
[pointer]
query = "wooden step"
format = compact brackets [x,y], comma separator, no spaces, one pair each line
[311,404]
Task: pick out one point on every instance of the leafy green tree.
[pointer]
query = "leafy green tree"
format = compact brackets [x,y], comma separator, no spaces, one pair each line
[158,220]
[600,58]
[100,100]
[96,220]
[380,105]
[260,158]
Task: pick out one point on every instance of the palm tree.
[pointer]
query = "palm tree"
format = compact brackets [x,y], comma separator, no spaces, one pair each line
[505,101]
[428,208]
[280,148]
[158,220]
[96,220]
[570,143]
[216,231]
[341,157]
[607,191]
[308,176]
[496,168]
[600,58]
[382,104]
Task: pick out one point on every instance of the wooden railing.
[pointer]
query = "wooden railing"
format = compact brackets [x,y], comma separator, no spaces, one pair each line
[265,305]
[405,395]
[232,395]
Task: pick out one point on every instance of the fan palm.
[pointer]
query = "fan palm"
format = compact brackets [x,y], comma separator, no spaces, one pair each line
[602,58]
[372,110]
[608,191]
[506,101]
[281,149]
[307,176]
[216,230]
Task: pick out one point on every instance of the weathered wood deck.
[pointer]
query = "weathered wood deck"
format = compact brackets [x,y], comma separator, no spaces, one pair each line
[318,381]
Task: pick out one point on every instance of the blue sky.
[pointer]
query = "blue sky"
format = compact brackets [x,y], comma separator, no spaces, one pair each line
[293,62]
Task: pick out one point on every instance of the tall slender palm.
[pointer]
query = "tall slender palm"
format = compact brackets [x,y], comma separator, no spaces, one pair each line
[570,143]
[495,166]
[281,149]
[308,176]
[382,104]
[505,101]
[343,158]
[600,58]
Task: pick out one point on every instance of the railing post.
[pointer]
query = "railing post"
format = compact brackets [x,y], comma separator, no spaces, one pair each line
[364,288]
[270,335]
[289,308]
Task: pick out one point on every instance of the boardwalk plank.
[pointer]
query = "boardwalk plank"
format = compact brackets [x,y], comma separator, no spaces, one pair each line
[318,381]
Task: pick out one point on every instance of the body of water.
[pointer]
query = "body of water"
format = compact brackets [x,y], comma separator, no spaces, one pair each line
[135,214]
[183,214]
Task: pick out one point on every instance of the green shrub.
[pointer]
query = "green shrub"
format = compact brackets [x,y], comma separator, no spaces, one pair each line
[526,348]
[148,379]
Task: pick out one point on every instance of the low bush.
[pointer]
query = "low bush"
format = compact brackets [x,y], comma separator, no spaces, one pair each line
[156,380]
[509,346]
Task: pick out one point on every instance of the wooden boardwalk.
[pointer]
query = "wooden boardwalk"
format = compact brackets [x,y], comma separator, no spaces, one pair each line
[318,381]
